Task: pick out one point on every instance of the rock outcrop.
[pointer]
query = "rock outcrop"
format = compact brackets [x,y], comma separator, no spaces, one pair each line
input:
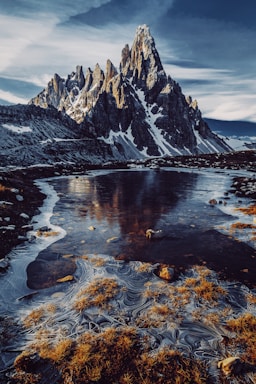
[138,110]
[32,135]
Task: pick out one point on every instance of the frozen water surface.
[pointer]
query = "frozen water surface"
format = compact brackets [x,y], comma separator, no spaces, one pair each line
[100,220]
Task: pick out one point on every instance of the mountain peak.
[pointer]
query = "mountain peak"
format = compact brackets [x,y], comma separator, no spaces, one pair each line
[139,110]
[144,40]
[142,63]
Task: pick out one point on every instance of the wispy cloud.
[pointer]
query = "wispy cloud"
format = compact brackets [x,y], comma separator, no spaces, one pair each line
[11,98]
[17,34]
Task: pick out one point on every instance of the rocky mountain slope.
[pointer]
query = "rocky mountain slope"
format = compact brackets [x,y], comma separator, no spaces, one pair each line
[135,111]
[31,135]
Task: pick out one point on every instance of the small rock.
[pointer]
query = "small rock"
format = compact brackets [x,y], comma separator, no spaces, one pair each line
[229,364]
[213,201]
[28,227]
[8,227]
[58,295]
[4,264]
[65,278]
[165,272]
[2,202]
[112,239]
[14,190]
[22,238]
[19,198]
[151,234]
[24,216]
[44,229]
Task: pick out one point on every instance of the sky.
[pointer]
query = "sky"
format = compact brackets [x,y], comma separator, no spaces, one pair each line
[207,46]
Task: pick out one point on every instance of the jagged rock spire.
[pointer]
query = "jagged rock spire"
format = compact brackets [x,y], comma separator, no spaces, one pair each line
[139,107]
[76,79]
[110,72]
[142,63]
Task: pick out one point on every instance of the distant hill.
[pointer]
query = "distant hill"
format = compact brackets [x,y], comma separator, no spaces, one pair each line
[239,135]
[232,128]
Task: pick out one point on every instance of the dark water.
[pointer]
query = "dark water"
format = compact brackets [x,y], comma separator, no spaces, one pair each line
[109,212]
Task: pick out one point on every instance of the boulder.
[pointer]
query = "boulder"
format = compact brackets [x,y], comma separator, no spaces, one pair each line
[164,272]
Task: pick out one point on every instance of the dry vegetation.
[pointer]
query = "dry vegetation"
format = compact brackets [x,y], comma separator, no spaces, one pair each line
[98,293]
[244,328]
[239,225]
[251,210]
[98,261]
[47,233]
[126,354]
[169,300]
[3,188]
[34,317]
[114,356]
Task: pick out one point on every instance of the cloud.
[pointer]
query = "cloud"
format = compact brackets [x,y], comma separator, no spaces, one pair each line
[228,106]
[221,94]
[61,53]
[127,12]
[11,98]
[35,24]
[62,9]
[16,36]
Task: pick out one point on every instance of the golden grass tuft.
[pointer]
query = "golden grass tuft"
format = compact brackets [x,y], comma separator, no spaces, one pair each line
[251,210]
[98,293]
[3,188]
[203,288]
[239,225]
[251,298]
[208,290]
[202,271]
[143,267]
[34,317]
[160,309]
[98,261]
[57,352]
[191,282]
[51,308]
[244,327]
[47,233]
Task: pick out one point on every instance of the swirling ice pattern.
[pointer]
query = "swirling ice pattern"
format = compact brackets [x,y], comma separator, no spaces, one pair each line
[193,338]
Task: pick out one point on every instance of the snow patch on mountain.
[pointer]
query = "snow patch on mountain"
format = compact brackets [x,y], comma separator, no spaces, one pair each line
[17,128]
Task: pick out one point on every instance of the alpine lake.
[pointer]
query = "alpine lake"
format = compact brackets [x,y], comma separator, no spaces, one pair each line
[85,302]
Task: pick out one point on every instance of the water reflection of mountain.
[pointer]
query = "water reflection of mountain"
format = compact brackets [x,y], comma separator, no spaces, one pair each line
[122,205]
[135,199]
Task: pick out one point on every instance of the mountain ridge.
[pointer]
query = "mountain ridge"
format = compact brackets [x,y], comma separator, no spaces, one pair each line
[138,100]
[133,112]
[240,135]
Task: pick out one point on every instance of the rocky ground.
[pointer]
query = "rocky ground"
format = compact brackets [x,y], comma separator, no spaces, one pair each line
[20,198]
